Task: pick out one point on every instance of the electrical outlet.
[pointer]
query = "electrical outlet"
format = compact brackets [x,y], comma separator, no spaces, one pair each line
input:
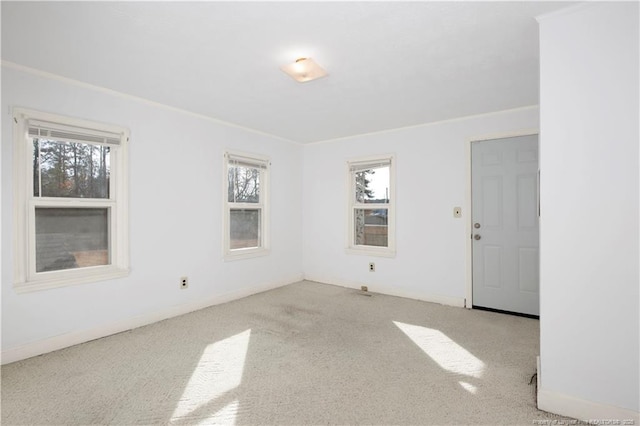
[184,282]
[364,288]
[372,267]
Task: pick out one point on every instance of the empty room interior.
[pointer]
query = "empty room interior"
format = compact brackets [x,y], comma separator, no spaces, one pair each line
[320,212]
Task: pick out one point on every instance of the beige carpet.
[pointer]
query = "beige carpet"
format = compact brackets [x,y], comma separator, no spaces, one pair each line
[306,353]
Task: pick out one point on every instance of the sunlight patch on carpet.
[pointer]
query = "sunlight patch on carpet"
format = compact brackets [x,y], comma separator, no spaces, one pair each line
[445,352]
[226,416]
[468,387]
[218,371]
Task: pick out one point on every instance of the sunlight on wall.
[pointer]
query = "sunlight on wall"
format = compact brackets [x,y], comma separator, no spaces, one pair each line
[218,371]
[444,351]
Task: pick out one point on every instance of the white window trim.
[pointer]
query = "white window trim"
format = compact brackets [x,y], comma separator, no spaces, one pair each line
[351,248]
[265,170]
[25,277]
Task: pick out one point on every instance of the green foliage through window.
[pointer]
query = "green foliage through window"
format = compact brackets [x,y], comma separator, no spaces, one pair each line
[70,169]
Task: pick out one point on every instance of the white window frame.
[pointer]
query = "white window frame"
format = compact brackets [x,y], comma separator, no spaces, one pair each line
[263,164]
[26,278]
[361,163]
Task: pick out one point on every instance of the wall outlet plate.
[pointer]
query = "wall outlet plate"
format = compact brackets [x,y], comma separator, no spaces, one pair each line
[184,282]
[457,212]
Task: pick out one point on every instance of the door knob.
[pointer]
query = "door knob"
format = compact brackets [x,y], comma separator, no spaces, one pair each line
[477,237]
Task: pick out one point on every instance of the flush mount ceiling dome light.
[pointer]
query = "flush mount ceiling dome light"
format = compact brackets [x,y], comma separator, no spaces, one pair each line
[303,70]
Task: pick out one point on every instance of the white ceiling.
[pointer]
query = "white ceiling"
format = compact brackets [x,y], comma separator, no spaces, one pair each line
[390,64]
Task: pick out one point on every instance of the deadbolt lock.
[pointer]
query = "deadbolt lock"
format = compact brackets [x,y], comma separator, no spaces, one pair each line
[476,225]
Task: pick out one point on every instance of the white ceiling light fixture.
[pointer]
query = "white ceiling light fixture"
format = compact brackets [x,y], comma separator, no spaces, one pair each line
[303,70]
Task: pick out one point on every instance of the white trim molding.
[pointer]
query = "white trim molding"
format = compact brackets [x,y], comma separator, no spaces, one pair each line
[30,125]
[592,412]
[122,95]
[468,202]
[262,165]
[361,164]
[457,302]
[581,409]
[75,338]
[427,124]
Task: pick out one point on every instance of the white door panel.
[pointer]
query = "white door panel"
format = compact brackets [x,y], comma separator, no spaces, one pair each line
[504,189]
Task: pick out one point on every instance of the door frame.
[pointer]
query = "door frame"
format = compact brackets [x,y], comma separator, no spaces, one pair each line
[468,301]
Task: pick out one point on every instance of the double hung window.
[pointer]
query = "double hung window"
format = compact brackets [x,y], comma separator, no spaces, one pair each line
[246,206]
[70,201]
[371,206]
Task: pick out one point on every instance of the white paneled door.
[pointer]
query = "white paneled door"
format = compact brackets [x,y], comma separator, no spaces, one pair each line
[504,193]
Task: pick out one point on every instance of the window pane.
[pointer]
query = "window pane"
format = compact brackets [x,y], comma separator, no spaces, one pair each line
[244,184]
[71,238]
[70,169]
[372,185]
[371,227]
[245,228]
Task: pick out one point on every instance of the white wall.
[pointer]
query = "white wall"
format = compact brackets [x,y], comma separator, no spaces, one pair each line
[590,219]
[176,222]
[431,179]
[175,219]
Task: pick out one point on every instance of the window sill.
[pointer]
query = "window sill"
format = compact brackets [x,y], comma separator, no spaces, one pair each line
[245,254]
[69,278]
[371,251]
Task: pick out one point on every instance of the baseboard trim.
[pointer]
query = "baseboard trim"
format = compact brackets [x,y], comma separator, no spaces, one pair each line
[74,338]
[584,410]
[391,291]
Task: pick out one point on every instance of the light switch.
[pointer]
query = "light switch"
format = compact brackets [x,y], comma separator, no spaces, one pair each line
[457,212]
